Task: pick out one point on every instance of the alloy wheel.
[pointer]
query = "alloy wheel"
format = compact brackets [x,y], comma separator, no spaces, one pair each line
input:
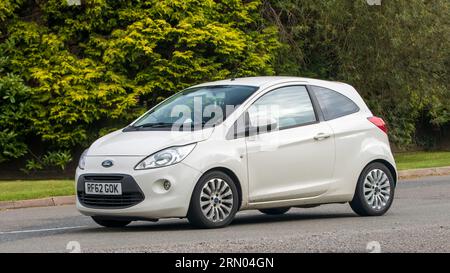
[216,200]
[377,189]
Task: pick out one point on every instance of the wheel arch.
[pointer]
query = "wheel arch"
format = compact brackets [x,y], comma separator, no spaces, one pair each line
[388,165]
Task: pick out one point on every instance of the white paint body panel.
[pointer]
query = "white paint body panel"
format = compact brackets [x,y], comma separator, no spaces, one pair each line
[306,165]
[301,171]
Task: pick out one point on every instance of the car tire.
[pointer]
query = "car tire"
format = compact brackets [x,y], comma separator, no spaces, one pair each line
[214,201]
[374,192]
[275,211]
[110,223]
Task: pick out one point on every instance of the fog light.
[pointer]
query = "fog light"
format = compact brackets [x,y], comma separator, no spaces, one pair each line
[166,185]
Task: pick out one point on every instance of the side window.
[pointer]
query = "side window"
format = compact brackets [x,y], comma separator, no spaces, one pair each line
[289,106]
[334,104]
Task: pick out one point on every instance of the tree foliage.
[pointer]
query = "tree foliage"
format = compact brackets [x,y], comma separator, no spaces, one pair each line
[69,73]
[397,55]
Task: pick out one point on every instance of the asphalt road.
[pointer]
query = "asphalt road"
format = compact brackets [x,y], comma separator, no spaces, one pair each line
[419,221]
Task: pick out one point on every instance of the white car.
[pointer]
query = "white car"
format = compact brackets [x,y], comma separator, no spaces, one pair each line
[265,143]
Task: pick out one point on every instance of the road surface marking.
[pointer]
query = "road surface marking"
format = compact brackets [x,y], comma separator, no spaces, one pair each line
[40,230]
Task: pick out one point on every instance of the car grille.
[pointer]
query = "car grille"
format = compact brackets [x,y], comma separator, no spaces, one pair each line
[131,193]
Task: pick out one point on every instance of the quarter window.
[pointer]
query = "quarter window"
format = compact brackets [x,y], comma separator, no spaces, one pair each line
[289,106]
[334,104]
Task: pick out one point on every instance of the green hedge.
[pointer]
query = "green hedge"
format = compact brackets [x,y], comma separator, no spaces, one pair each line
[397,55]
[69,74]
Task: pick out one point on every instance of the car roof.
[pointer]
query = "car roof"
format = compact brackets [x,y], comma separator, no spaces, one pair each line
[252,81]
[265,81]
[268,81]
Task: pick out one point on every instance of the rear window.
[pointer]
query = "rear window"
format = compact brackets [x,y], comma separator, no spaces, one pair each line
[334,104]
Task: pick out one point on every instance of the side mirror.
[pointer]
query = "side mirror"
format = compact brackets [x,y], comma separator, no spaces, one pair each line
[247,127]
[265,124]
[261,125]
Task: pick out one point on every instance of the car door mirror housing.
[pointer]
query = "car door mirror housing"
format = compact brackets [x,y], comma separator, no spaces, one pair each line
[260,125]
[246,126]
[266,124]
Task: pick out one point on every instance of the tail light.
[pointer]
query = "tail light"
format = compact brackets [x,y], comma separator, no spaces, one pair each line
[379,122]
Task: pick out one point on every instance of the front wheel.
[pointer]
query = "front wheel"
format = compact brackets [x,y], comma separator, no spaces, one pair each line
[214,201]
[374,192]
[110,223]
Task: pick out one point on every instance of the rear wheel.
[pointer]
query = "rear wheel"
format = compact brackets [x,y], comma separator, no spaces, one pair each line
[110,223]
[275,211]
[374,192]
[214,201]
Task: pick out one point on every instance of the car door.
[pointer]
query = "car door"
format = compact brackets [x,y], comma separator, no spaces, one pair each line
[296,158]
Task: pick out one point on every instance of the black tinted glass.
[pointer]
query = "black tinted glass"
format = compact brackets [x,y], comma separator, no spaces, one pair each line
[334,104]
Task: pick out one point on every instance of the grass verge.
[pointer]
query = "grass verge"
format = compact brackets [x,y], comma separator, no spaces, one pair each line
[417,160]
[33,189]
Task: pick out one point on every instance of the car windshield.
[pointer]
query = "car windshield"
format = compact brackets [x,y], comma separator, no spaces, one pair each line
[196,107]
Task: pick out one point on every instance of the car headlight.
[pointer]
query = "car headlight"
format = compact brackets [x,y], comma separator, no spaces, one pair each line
[82,161]
[166,157]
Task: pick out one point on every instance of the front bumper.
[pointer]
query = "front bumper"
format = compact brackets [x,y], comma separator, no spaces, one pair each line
[131,192]
[157,202]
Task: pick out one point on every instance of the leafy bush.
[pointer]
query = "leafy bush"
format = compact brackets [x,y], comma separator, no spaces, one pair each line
[14,105]
[58,159]
[397,54]
[104,63]
[69,74]
[10,146]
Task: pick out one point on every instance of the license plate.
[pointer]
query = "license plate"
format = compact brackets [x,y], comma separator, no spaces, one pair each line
[103,188]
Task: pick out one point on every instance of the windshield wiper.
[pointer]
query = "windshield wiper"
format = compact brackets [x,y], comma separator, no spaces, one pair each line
[166,125]
[154,125]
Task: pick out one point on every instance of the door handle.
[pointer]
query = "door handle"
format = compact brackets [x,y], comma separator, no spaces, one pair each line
[321,136]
